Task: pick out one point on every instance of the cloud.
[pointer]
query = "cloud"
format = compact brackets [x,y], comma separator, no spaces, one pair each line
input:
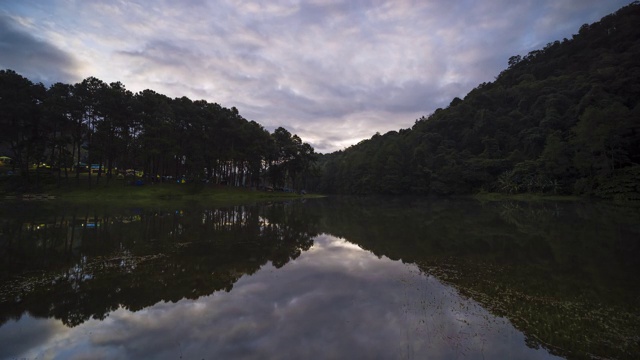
[24,53]
[335,299]
[19,337]
[358,66]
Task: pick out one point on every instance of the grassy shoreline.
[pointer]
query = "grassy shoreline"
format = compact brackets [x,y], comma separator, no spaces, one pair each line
[163,194]
[121,192]
[486,196]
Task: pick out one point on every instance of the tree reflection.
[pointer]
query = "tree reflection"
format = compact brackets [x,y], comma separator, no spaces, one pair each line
[83,263]
[563,273]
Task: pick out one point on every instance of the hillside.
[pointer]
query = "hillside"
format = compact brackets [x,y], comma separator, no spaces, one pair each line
[73,133]
[564,120]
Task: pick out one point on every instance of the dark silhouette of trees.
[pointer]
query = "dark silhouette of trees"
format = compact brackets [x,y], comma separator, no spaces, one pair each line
[107,127]
[560,120]
[290,158]
[21,120]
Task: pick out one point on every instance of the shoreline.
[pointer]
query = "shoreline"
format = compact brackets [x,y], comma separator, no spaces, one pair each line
[156,194]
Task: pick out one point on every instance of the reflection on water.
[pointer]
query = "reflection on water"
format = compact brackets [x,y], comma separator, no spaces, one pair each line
[83,265]
[563,273]
[336,300]
[441,279]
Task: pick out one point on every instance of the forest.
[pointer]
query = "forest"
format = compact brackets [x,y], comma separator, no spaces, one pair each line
[98,131]
[561,120]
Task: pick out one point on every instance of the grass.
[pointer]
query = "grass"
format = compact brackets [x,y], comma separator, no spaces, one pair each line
[163,193]
[120,192]
[489,196]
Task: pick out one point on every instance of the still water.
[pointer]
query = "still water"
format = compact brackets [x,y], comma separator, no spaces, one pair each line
[327,278]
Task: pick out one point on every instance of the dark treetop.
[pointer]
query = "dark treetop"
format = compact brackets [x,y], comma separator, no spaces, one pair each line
[561,120]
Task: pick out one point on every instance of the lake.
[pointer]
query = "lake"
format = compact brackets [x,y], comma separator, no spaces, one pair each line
[335,278]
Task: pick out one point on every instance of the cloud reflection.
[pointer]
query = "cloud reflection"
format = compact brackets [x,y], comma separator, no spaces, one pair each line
[335,301]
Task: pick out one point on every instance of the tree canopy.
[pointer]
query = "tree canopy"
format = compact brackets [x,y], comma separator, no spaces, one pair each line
[563,119]
[66,128]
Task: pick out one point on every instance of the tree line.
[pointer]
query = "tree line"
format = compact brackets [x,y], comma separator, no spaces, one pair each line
[218,247]
[67,128]
[561,120]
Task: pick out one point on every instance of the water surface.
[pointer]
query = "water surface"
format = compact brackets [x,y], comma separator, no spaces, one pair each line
[333,278]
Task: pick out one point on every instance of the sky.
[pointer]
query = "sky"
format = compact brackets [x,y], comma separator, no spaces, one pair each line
[306,309]
[334,72]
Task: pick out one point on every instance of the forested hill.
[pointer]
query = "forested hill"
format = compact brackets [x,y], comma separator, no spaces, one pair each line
[64,129]
[564,119]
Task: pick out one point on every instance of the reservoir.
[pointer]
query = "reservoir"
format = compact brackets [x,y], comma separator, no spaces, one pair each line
[367,278]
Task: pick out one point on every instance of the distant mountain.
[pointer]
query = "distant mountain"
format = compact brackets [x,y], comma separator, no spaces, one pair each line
[564,119]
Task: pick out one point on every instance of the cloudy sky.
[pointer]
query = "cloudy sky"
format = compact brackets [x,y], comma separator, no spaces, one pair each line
[335,301]
[332,71]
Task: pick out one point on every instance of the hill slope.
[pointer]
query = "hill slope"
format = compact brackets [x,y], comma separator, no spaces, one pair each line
[564,119]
